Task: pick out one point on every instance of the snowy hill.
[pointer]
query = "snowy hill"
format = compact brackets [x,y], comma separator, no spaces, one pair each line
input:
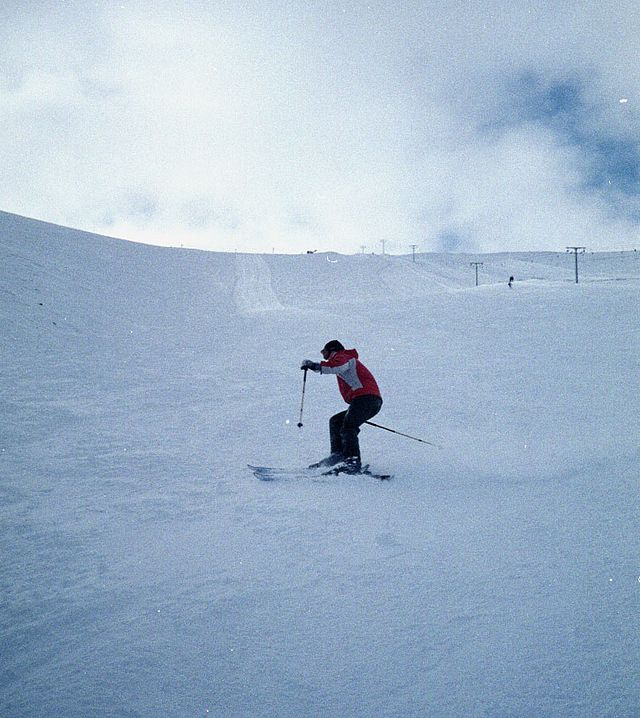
[147,572]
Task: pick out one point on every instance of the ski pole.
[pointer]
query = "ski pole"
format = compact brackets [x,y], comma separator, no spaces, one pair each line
[304,384]
[393,431]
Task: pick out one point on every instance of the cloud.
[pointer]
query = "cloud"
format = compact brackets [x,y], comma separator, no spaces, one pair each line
[288,125]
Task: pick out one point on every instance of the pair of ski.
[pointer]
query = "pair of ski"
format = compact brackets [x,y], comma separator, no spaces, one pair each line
[270,473]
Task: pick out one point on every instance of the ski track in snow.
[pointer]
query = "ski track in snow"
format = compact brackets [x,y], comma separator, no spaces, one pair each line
[253,290]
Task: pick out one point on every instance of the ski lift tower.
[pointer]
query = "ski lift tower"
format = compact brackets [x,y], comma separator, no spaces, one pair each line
[576,251]
[476,265]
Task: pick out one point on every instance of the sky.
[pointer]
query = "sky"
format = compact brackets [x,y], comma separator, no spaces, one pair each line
[301,125]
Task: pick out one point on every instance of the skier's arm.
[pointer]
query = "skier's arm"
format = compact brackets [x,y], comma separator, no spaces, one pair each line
[346,370]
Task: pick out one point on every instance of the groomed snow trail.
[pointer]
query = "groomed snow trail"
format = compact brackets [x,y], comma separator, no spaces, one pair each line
[253,290]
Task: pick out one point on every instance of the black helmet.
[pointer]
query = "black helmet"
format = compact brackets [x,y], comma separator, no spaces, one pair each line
[333,346]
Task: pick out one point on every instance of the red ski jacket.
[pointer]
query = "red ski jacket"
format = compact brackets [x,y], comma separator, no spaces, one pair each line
[354,379]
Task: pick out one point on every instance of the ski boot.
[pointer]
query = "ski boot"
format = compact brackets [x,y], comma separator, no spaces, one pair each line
[350,465]
[330,460]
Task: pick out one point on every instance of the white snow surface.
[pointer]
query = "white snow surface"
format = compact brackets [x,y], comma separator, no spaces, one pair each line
[145,570]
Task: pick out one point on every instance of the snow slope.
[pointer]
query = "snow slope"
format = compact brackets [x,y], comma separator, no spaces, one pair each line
[146,572]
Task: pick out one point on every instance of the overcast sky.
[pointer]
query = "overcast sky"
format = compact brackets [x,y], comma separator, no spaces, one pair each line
[287,125]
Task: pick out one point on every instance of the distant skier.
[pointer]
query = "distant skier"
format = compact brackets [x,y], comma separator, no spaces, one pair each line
[511,280]
[360,390]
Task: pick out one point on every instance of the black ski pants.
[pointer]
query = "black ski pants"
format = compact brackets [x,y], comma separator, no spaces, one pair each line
[345,426]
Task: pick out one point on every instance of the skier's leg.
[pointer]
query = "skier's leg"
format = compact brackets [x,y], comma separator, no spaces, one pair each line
[335,434]
[336,456]
[360,410]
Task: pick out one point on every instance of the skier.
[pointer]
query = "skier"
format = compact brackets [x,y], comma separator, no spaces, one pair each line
[360,390]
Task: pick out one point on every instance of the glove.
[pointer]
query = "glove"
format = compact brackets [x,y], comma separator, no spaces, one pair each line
[308,364]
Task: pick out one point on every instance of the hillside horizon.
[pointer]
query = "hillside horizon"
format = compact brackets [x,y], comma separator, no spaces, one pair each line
[57,229]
